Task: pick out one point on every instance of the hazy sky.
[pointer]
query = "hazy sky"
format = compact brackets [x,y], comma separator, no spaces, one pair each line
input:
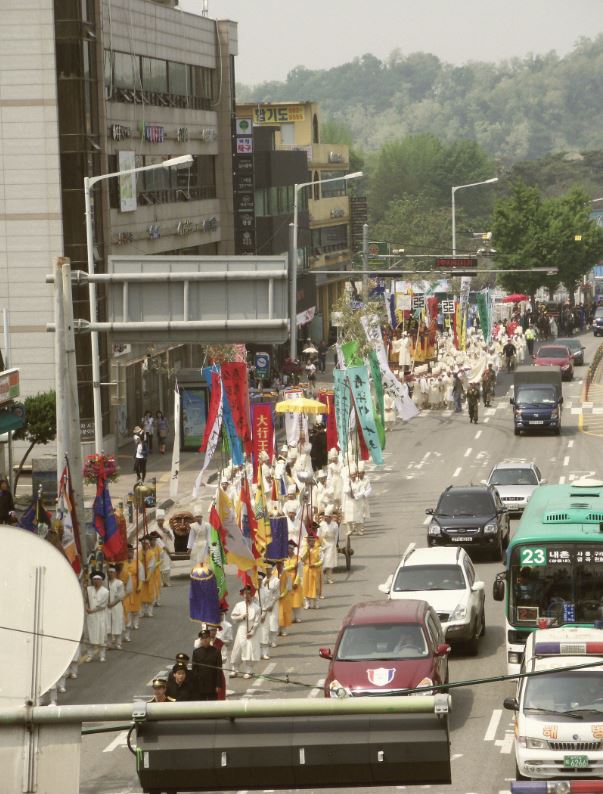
[276,35]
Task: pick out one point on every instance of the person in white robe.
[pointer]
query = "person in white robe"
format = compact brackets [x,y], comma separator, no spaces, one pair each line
[353,507]
[268,592]
[366,490]
[246,650]
[115,609]
[334,478]
[166,541]
[328,533]
[96,617]
[389,411]
[198,537]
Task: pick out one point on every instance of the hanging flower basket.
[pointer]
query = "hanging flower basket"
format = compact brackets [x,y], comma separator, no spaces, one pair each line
[96,466]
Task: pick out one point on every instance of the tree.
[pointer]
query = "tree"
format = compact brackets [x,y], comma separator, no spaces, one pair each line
[40,424]
[415,224]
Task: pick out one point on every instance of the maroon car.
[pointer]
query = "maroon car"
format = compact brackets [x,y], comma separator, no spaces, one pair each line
[556,356]
[385,647]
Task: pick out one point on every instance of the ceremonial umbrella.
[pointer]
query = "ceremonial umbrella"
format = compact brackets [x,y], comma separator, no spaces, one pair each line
[310,349]
[516,298]
[301,405]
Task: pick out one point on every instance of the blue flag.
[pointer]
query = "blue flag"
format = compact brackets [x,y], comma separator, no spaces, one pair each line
[203,597]
[35,514]
[115,544]
[236,447]
[277,550]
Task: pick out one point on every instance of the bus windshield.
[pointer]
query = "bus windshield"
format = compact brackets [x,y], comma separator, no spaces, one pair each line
[559,581]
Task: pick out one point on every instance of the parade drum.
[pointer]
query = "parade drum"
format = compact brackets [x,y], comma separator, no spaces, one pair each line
[180,524]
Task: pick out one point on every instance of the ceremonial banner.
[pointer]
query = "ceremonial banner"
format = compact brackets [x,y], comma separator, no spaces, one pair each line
[484,313]
[67,516]
[359,382]
[36,518]
[457,325]
[246,516]
[237,547]
[236,448]
[203,597]
[277,550]
[262,533]
[175,473]
[234,379]
[217,555]
[405,407]
[343,405]
[378,386]
[213,427]
[328,398]
[115,547]
[263,432]
[350,354]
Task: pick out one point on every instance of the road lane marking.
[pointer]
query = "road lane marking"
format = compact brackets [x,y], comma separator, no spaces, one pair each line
[314,693]
[493,725]
[566,460]
[457,471]
[506,744]
[269,668]
[468,451]
[426,520]
[570,444]
[487,419]
[478,434]
[562,480]
[121,740]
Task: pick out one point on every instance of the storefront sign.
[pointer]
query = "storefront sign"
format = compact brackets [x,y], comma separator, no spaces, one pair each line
[182,134]
[86,430]
[278,114]
[244,145]
[243,186]
[153,133]
[9,385]
[119,132]
[127,184]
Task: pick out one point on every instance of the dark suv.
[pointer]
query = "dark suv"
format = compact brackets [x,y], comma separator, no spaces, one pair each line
[598,321]
[472,516]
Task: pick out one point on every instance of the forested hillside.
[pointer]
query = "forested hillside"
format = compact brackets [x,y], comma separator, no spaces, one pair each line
[519,109]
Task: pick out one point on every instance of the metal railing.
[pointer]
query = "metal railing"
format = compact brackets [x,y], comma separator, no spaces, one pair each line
[592,371]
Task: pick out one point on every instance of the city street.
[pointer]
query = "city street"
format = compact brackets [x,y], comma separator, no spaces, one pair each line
[435,450]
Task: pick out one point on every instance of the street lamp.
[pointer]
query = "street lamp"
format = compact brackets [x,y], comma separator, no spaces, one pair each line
[89,182]
[460,187]
[293,255]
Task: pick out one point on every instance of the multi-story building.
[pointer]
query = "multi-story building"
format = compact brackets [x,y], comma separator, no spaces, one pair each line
[91,87]
[324,217]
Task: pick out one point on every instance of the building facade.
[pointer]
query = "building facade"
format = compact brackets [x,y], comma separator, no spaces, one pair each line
[90,87]
[324,239]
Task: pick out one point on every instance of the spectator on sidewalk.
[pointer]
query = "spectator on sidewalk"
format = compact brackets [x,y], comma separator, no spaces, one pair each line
[161,423]
[140,454]
[147,428]
[322,355]
[7,505]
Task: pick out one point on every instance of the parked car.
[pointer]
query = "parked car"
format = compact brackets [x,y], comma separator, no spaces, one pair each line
[446,579]
[472,516]
[598,321]
[556,356]
[386,648]
[575,347]
[515,482]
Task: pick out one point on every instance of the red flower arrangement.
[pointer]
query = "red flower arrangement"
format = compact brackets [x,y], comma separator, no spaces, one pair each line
[96,466]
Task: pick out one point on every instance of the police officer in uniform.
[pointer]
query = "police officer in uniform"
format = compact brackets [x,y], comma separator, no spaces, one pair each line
[159,692]
[207,668]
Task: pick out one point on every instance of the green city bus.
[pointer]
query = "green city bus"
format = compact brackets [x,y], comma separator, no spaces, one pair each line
[554,564]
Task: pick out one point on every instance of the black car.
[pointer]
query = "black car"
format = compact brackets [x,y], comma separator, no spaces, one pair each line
[575,347]
[598,321]
[472,516]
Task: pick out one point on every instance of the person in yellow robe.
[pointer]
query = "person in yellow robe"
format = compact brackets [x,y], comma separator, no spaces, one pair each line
[312,558]
[132,575]
[285,609]
[149,561]
[156,578]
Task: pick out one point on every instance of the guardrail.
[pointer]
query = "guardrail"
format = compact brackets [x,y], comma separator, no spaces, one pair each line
[592,371]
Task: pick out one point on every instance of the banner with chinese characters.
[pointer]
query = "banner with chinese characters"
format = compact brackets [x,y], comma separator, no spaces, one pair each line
[343,405]
[234,379]
[359,382]
[262,432]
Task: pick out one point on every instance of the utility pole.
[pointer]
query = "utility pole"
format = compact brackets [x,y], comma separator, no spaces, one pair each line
[60,367]
[73,448]
[293,285]
[365,243]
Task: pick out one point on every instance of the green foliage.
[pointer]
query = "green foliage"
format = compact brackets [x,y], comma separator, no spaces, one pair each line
[41,419]
[529,231]
[523,108]
[413,223]
[333,131]
[351,328]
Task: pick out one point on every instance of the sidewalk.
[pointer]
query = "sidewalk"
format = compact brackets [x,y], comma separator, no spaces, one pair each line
[591,418]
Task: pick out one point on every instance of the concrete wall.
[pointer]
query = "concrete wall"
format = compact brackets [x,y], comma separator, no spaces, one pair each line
[30,200]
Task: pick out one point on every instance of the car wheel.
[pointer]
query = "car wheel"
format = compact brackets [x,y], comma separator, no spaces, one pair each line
[483,631]
[498,552]
[517,431]
[472,644]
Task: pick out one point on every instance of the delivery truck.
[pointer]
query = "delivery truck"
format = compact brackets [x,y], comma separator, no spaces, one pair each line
[537,399]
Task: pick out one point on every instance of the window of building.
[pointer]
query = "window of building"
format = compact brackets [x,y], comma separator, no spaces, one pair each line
[315,137]
[316,186]
[154,75]
[261,203]
[179,78]
[330,189]
[126,72]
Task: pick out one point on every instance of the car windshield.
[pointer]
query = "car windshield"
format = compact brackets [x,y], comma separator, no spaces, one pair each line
[542,396]
[429,577]
[571,344]
[599,312]
[467,503]
[552,352]
[566,691]
[383,641]
[513,477]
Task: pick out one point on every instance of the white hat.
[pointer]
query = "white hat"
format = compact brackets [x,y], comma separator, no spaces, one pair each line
[284,449]
[318,420]
[197,509]
[321,474]
[159,513]
[333,454]
[263,456]
[292,454]
[291,490]
[291,506]
[360,465]
[352,468]
[329,510]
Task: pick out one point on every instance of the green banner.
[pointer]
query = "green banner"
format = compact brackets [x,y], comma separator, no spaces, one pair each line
[350,354]
[217,560]
[378,384]
[484,314]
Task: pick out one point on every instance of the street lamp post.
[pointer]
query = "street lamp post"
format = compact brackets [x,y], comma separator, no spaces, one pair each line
[293,255]
[89,183]
[453,190]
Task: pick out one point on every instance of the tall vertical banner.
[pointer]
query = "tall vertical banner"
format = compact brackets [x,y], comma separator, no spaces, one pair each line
[405,407]
[328,398]
[234,379]
[262,432]
[343,405]
[212,428]
[175,472]
[361,389]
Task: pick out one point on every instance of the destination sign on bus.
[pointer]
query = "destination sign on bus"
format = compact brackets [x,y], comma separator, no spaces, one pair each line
[452,262]
[540,556]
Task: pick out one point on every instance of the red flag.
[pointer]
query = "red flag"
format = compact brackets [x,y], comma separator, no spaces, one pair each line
[328,398]
[364,452]
[247,520]
[263,432]
[234,378]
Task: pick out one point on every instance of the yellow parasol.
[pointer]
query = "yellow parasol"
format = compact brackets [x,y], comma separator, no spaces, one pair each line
[301,405]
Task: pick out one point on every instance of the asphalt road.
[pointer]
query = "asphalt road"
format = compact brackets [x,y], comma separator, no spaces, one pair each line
[421,459]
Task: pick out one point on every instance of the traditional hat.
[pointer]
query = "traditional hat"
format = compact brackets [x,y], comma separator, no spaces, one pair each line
[97,575]
[291,543]
[291,506]
[284,449]
[329,509]
[321,474]
[263,456]
[154,534]
[262,574]
[360,465]
[246,589]
[130,547]
[137,430]
[352,469]
[159,683]
[179,666]
[112,568]
[204,633]
[159,513]
[291,490]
